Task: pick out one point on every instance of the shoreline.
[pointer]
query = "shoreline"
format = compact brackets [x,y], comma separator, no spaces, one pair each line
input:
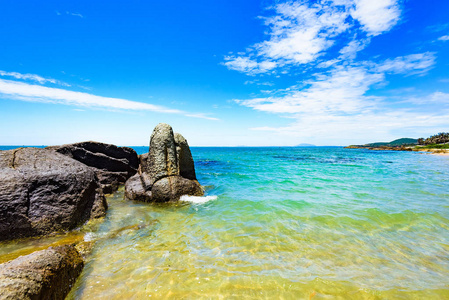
[434,151]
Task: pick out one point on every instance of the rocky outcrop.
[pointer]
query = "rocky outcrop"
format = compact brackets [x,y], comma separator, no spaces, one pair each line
[171,188]
[135,189]
[46,274]
[42,191]
[167,172]
[162,159]
[186,166]
[113,165]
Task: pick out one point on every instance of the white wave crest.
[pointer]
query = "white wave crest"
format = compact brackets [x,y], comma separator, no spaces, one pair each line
[197,199]
[88,237]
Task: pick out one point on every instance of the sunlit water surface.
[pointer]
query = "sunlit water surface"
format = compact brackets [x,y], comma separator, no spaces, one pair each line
[292,223]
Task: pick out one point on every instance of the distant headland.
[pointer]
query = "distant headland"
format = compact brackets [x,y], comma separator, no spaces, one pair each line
[438,143]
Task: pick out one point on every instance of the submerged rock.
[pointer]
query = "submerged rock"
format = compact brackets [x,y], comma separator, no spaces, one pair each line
[167,172]
[113,165]
[46,274]
[43,191]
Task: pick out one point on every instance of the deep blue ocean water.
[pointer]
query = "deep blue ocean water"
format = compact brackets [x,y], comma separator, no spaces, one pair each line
[312,222]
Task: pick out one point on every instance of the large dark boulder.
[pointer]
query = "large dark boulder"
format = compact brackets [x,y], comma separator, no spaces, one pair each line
[167,172]
[113,165]
[48,274]
[42,191]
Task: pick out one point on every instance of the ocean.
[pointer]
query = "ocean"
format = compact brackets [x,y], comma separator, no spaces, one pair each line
[278,223]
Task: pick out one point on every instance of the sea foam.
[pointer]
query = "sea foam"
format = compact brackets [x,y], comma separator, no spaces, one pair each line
[197,199]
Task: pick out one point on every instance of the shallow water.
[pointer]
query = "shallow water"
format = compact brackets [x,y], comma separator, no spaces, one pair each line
[292,223]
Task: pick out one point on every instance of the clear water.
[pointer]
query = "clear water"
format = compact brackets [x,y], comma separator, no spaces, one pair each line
[287,223]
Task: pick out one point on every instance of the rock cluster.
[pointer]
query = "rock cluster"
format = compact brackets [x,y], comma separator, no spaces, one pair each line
[43,191]
[166,172]
[60,187]
[46,274]
[113,165]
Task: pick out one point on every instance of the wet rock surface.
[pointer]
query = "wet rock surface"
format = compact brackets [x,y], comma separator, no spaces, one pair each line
[167,172]
[171,188]
[112,164]
[46,274]
[43,191]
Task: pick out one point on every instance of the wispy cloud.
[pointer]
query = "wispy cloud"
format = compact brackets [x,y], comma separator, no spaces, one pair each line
[70,14]
[341,96]
[444,38]
[411,64]
[74,14]
[300,32]
[32,77]
[335,96]
[343,89]
[37,93]
[258,82]
[247,65]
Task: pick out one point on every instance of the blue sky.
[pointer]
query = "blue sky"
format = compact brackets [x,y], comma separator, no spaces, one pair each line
[223,73]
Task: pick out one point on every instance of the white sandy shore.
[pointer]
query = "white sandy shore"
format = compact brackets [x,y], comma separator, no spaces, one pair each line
[436,151]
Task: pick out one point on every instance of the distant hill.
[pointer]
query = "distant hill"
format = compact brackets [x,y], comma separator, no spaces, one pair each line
[305,145]
[395,143]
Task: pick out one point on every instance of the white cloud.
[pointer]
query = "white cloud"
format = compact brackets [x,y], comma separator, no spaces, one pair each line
[246,65]
[339,100]
[360,128]
[32,77]
[301,32]
[74,14]
[437,98]
[411,64]
[376,16]
[349,52]
[257,82]
[342,91]
[36,93]
[444,38]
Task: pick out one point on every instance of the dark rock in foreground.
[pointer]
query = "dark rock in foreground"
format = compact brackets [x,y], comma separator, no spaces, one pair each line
[167,172]
[46,274]
[113,165]
[43,191]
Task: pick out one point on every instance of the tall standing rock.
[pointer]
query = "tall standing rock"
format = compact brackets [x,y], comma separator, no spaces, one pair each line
[167,172]
[162,159]
[186,165]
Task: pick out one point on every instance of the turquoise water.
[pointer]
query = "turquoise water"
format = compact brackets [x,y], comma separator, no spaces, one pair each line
[292,223]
